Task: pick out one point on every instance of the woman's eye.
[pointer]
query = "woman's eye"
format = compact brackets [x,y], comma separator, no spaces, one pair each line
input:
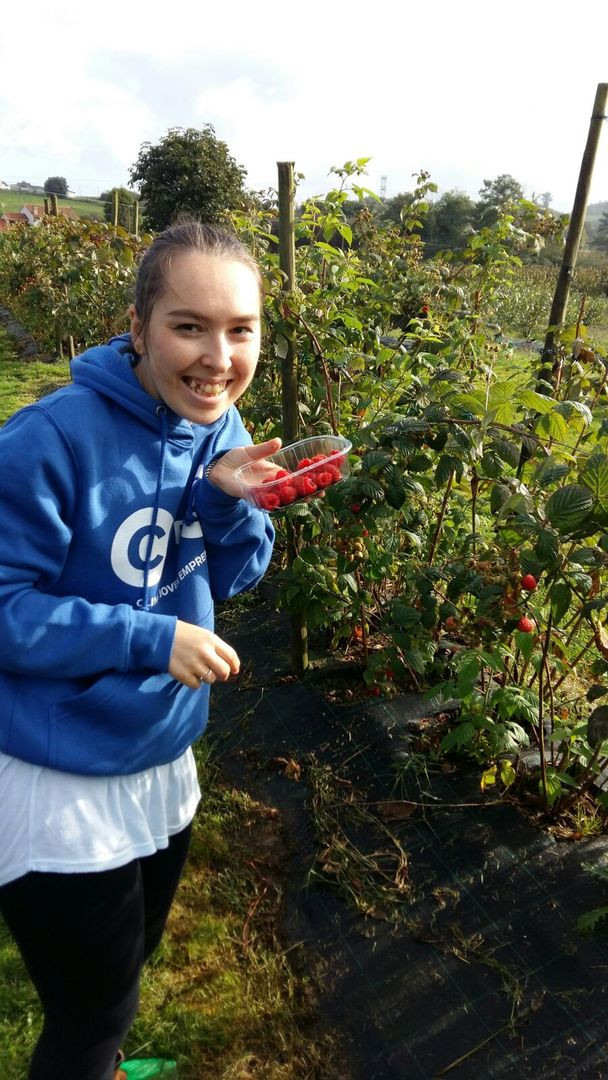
[241,331]
[190,328]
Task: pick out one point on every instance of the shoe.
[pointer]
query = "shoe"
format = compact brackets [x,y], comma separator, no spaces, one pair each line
[119,1074]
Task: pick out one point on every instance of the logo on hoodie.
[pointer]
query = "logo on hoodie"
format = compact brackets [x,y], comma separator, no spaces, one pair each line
[130,547]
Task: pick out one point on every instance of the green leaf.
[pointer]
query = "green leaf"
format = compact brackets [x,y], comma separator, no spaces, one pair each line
[568,507]
[539,403]
[550,471]
[553,426]
[561,598]
[547,548]
[595,476]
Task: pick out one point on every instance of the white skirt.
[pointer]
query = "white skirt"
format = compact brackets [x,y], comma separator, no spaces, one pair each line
[63,823]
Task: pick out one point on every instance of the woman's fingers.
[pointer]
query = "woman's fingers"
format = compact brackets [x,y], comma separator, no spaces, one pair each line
[200,656]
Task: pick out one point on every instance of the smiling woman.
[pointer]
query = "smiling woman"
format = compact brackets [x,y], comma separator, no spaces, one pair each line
[115,545]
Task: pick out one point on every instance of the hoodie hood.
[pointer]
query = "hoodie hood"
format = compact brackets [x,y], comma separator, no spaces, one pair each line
[109,369]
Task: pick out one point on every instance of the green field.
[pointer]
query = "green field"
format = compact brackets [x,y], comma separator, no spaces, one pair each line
[12,201]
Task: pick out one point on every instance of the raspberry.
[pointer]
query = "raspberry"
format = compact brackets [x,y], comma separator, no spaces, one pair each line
[305,485]
[287,493]
[525,625]
[317,457]
[324,477]
[529,582]
[304,463]
[356,508]
[267,500]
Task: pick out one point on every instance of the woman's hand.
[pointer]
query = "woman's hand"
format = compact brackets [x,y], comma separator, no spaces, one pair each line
[200,656]
[222,474]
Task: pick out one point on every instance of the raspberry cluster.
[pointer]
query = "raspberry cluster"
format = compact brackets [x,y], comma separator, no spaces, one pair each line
[289,487]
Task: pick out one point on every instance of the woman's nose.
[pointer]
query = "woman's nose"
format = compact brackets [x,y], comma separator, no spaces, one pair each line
[217,352]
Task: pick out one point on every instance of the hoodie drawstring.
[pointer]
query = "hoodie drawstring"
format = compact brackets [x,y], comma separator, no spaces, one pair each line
[162,413]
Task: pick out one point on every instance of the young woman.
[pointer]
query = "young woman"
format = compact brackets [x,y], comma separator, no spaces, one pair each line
[121,524]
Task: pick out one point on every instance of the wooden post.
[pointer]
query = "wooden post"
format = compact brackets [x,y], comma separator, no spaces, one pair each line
[575,232]
[114,208]
[289,386]
[46,206]
[54,206]
[136,218]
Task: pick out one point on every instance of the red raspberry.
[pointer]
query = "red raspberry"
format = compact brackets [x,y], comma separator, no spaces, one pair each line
[336,474]
[525,625]
[317,457]
[528,582]
[305,485]
[356,508]
[287,493]
[304,463]
[267,500]
[324,477]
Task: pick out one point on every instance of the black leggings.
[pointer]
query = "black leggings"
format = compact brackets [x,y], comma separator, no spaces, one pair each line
[84,939]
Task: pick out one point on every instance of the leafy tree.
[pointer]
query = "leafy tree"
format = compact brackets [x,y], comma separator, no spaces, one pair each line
[56,185]
[449,222]
[600,240]
[497,197]
[188,170]
[126,201]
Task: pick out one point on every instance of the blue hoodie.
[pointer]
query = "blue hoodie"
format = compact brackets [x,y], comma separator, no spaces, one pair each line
[110,534]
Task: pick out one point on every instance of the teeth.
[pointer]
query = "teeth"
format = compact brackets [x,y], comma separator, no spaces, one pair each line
[210,389]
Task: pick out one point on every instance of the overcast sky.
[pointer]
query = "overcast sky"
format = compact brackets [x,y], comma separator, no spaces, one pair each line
[466,90]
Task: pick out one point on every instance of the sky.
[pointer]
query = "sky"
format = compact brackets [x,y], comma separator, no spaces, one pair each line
[465,91]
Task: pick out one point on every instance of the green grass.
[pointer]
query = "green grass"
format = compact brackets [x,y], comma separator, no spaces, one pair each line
[14,200]
[23,381]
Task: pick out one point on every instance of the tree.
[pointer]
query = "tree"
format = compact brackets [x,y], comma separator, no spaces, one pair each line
[188,170]
[56,185]
[449,222]
[126,201]
[600,240]
[498,196]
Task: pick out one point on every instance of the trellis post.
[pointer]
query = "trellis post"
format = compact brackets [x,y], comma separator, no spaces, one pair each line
[289,385]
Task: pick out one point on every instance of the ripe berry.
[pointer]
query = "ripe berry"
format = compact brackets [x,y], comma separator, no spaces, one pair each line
[525,625]
[323,477]
[529,582]
[355,507]
[267,500]
[304,463]
[287,493]
[305,485]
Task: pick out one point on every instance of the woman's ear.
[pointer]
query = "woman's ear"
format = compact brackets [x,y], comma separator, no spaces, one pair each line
[136,331]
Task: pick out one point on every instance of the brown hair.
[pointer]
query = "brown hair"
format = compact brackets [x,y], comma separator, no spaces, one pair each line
[187,234]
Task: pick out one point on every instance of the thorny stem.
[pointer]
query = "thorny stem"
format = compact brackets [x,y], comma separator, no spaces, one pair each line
[319,355]
[442,512]
[474,489]
[541,728]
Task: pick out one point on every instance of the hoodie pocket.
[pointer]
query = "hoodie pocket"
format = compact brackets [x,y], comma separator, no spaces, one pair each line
[97,729]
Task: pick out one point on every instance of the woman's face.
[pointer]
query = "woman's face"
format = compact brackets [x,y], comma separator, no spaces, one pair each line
[203,339]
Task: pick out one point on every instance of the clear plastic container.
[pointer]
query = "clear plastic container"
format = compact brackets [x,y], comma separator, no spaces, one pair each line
[296,472]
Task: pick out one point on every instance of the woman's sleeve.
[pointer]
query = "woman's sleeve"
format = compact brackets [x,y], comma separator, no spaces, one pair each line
[41,632]
[238,537]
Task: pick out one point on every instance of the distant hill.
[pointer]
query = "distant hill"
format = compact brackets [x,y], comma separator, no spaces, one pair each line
[86,208]
[595,211]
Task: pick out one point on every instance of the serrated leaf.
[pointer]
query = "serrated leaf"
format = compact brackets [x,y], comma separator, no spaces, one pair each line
[553,426]
[595,476]
[561,598]
[539,403]
[568,507]
[550,471]
[547,547]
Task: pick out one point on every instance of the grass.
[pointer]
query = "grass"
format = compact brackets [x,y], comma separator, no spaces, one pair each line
[12,201]
[24,381]
[221,995]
